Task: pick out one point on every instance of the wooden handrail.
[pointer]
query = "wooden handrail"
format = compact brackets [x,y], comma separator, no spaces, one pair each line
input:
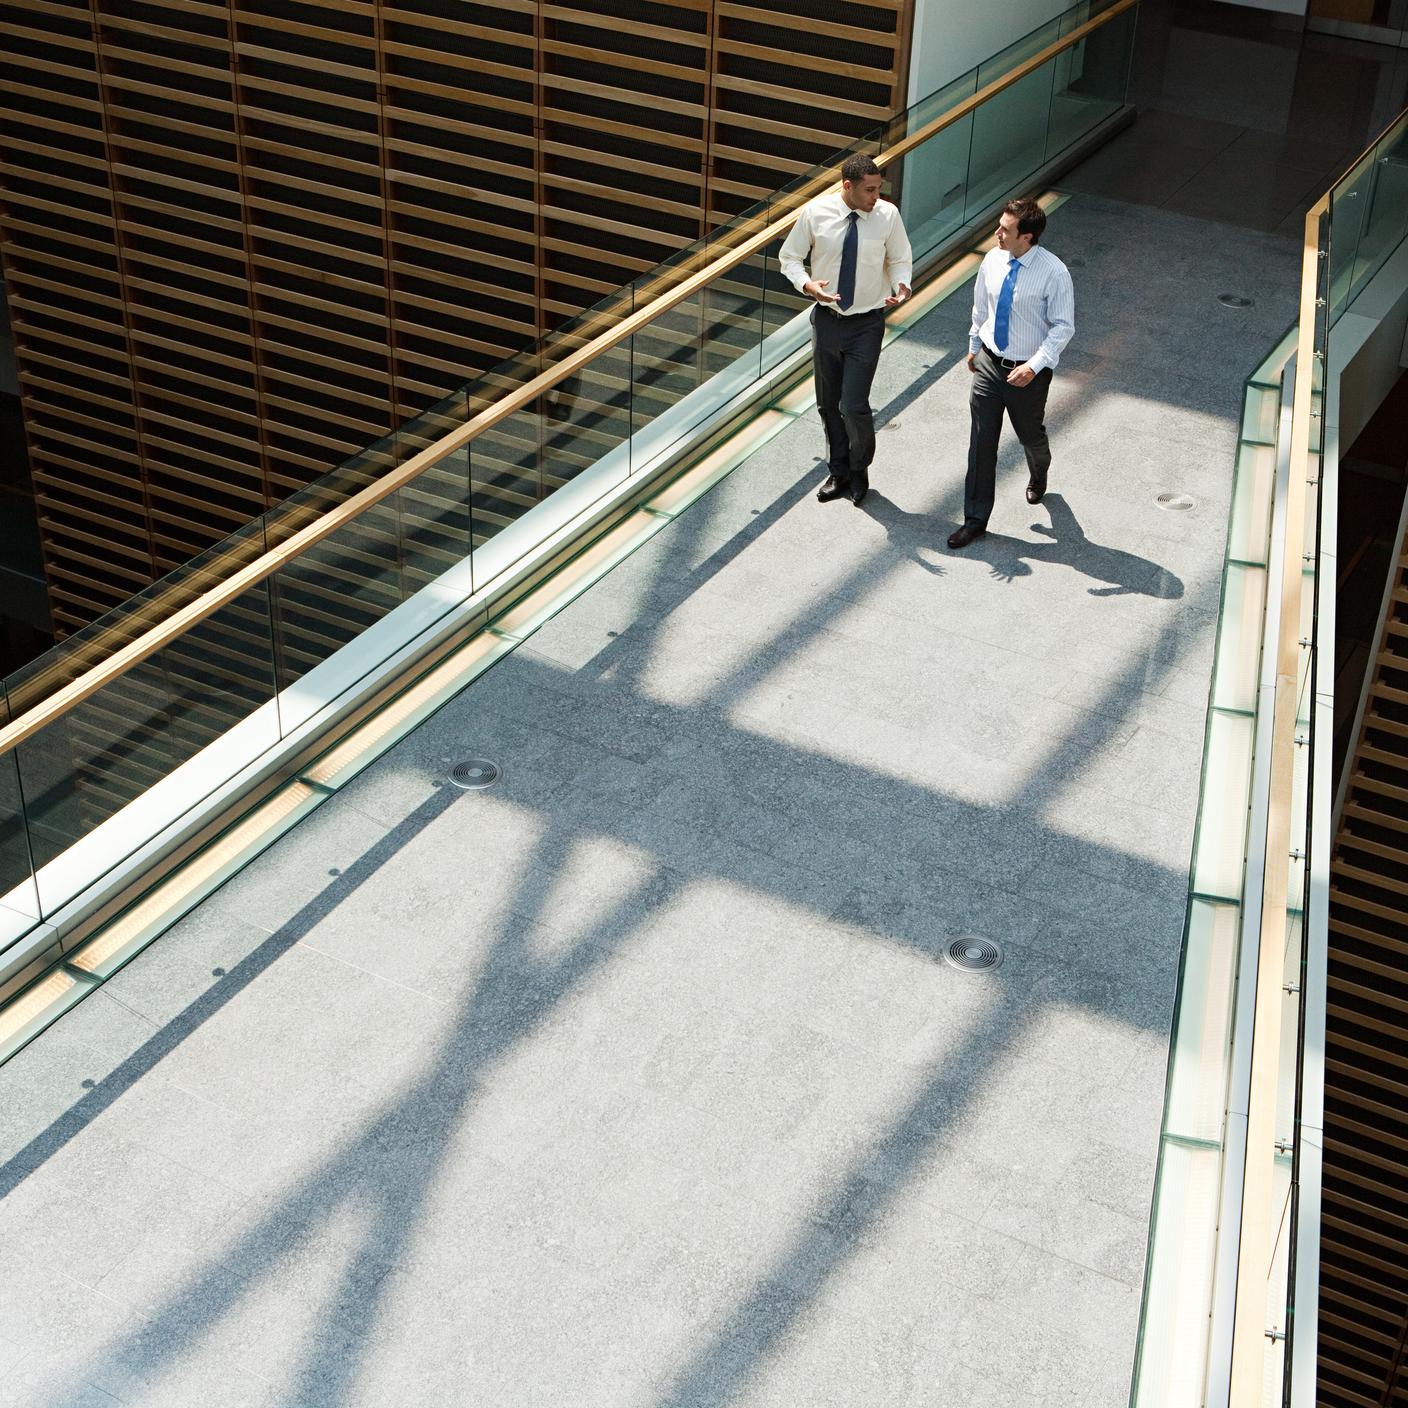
[1255,1239]
[156,637]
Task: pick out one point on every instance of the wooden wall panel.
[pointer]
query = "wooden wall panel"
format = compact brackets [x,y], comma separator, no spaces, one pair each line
[1363,1329]
[243,239]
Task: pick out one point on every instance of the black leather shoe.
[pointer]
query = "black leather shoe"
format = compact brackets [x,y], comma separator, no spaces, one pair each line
[833,489]
[859,489]
[1035,489]
[969,533]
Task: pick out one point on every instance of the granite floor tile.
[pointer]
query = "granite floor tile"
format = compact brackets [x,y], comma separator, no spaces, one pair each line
[1072,1301]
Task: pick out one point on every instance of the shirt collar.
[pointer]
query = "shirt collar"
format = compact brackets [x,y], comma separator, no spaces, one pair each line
[846,209]
[1027,257]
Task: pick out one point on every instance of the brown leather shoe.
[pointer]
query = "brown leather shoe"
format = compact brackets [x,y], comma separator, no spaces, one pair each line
[969,533]
[833,489]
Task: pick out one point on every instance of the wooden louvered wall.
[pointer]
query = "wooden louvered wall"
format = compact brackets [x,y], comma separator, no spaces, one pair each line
[1363,1330]
[243,240]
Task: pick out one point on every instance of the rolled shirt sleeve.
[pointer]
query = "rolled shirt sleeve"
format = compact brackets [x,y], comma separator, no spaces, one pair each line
[1060,318]
[795,249]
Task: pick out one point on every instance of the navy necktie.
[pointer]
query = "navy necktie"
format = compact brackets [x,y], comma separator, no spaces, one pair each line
[846,283]
[1004,307]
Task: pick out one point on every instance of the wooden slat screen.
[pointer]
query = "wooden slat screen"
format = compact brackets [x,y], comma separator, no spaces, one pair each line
[1363,1330]
[244,239]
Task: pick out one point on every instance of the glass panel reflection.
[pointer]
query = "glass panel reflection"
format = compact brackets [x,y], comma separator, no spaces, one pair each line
[140,752]
[1010,129]
[19,899]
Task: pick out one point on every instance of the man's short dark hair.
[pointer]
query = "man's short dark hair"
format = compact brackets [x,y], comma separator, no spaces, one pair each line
[857,168]
[1031,218]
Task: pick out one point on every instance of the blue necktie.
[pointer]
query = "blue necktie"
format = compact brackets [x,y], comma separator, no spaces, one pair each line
[1004,307]
[846,283]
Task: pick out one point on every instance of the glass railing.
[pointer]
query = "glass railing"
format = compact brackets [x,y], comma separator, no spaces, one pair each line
[158,708]
[1198,1140]
[1233,1264]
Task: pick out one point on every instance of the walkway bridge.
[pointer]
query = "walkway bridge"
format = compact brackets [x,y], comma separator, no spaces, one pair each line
[643,1076]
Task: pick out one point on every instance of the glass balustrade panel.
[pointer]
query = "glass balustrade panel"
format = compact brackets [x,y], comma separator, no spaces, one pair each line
[1385,220]
[534,470]
[338,590]
[1010,129]
[139,753]
[1091,77]
[689,360]
[931,182]
[19,898]
[1349,205]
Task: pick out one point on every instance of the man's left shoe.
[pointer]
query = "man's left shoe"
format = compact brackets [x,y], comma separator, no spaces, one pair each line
[1035,489]
[834,488]
[860,487]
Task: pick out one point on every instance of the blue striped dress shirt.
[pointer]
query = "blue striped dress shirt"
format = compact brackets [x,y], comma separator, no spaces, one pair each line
[1043,317]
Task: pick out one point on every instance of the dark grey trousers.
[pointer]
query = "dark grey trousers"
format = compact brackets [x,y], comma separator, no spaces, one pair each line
[1026,409]
[845,353]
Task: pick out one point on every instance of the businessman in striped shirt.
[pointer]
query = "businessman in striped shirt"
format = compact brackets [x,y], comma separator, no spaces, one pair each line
[1024,313]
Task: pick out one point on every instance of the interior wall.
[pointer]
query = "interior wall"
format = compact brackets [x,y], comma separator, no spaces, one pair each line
[950,39]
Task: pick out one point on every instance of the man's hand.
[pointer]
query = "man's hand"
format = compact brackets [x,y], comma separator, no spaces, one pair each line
[1020,376]
[972,361]
[895,299]
[816,288]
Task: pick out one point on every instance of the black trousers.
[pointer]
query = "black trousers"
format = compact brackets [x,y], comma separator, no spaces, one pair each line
[845,353]
[1025,407]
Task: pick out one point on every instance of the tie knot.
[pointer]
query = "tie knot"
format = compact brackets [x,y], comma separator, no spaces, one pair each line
[1013,261]
[853,216]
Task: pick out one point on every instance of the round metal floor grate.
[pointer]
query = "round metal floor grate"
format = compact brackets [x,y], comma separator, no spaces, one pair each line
[1234,300]
[1175,503]
[973,954]
[474,774]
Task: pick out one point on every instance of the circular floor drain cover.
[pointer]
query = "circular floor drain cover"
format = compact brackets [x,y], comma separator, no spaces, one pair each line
[972,953]
[474,774]
[1176,503]
[1234,300]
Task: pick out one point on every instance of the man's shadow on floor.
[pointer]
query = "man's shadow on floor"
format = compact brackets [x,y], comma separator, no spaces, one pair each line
[1121,573]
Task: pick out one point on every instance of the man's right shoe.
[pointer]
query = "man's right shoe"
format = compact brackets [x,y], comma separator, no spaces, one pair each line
[833,489]
[970,532]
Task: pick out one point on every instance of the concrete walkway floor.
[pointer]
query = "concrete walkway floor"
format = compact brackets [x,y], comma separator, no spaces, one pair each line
[637,1081]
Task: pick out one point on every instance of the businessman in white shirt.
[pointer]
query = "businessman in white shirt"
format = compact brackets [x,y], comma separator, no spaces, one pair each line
[860,265]
[1024,313]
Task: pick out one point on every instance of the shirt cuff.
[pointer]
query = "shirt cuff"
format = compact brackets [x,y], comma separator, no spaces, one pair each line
[1037,362]
[975,344]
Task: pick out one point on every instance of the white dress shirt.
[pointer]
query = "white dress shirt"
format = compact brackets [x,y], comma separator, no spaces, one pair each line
[883,257]
[1043,317]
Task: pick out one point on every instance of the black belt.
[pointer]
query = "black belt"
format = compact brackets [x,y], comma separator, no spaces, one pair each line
[1006,363]
[837,313]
